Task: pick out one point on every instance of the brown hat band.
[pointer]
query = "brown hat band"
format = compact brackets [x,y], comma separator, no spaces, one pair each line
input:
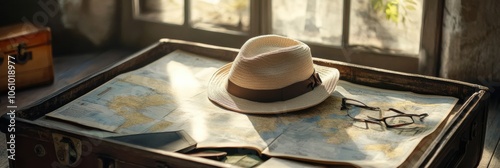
[281,94]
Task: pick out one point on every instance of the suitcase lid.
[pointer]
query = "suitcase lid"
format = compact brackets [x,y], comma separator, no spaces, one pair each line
[22,33]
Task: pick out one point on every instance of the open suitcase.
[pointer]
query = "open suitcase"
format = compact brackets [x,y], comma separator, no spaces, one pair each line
[457,142]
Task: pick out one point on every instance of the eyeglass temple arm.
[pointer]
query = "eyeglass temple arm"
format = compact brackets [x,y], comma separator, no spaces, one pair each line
[344,104]
[422,116]
[373,119]
[397,111]
[401,112]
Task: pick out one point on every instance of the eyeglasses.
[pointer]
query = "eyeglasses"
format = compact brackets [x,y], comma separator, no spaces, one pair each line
[401,119]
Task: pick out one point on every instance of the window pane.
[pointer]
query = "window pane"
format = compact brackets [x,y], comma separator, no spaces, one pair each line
[168,11]
[221,14]
[317,21]
[386,24]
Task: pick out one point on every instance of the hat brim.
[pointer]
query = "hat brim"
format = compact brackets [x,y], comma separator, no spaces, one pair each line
[218,94]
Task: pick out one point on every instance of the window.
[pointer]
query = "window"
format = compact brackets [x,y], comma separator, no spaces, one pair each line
[171,11]
[229,15]
[317,21]
[393,34]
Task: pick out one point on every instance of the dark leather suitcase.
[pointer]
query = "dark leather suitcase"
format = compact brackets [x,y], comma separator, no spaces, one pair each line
[458,142]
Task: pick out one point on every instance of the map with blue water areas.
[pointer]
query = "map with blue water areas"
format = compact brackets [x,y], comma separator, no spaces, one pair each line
[170,94]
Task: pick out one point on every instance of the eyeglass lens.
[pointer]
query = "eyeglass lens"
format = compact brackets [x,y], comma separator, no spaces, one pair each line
[392,121]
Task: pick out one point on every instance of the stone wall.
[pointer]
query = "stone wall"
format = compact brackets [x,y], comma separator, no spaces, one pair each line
[471,41]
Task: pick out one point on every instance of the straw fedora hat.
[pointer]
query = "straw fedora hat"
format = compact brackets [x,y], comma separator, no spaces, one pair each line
[272,74]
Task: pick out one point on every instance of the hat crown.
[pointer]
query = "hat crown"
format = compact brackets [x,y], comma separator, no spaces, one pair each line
[271,62]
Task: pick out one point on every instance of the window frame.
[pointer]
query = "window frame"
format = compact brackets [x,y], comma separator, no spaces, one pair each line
[141,32]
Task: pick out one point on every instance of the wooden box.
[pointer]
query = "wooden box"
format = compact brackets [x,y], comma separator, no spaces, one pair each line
[457,142]
[28,48]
